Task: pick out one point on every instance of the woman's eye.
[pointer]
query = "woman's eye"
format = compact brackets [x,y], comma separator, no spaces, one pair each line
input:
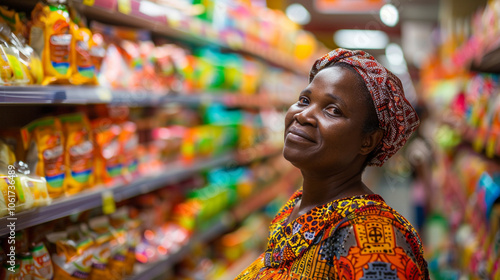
[303,101]
[334,111]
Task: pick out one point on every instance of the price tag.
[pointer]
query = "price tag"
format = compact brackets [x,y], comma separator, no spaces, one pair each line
[88,2]
[104,94]
[108,203]
[124,6]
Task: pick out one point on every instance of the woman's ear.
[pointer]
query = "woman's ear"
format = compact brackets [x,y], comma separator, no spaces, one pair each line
[371,141]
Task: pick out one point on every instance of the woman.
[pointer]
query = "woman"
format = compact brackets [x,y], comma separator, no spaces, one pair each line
[352,114]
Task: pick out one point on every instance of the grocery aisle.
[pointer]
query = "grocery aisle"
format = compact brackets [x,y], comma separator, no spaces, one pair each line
[142,139]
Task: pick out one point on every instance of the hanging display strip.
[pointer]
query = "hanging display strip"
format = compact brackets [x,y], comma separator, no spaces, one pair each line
[92,199]
[172,23]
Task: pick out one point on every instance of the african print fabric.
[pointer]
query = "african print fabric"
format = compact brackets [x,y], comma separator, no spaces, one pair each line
[358,237]
[395,114]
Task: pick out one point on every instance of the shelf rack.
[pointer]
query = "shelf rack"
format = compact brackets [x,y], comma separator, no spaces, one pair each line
[81,95]
[224,222]
[93,198]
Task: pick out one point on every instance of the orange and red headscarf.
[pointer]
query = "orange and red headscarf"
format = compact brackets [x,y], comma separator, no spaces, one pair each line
[395,114]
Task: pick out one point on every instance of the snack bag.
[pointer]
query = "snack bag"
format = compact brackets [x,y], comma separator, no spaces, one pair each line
[78,156]
[36,186]
[83,72]
[121,219]
[119,249]
[15,74]
[27,266]
[51,25]
[102,235]
[129,141]
[44,141]
[73,257]
[8,274]
[43,269]
[108,168]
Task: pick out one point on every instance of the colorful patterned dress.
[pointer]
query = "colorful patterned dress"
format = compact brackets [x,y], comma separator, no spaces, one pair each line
[359,237]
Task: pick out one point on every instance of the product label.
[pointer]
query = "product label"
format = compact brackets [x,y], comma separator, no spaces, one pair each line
[60,50]
[84,60]
[80,157]
[54,166]
[43,264]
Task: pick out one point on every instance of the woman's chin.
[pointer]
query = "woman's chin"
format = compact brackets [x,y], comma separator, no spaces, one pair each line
[295,157]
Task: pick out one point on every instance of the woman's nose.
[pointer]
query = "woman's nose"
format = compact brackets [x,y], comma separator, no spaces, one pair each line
[306,116]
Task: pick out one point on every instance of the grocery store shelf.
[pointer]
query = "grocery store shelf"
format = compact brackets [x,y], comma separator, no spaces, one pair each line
[95,95]
[177,26]
[92,199]
[224,222]
[159,268]
[489,62]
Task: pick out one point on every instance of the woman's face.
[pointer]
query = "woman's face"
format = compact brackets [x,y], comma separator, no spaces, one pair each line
[323,130]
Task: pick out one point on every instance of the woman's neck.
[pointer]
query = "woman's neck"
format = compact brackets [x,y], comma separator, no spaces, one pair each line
[319,190]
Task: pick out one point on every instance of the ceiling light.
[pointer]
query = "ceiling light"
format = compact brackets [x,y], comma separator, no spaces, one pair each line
[298,14]
[361,39]
[389,15]
[394,54]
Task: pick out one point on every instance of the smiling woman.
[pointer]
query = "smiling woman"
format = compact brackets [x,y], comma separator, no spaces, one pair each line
[352,114]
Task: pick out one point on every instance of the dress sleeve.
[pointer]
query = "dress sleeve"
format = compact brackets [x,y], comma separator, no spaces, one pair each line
[375,247]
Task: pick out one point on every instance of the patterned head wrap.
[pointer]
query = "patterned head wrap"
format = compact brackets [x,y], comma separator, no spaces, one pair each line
[395,115]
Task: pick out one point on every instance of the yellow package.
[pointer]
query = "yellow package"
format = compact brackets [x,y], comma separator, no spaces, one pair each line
[129,141]
[102,234]
[15,74]
[14,20]
[78,155]
[73,257]
[83,71]
[108,167]
[117,263]
[51,25]
[43,139]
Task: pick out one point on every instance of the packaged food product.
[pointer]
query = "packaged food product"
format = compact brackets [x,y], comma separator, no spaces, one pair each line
[15,20]
[27,265]
[23,197]
[45,156]
[102,235]
[119,250]
[121,219]
[51,25]
[43,269]
[79,152]
[129,141]
[83,72]
[35,185]
[73,257]
[15,74]
[12,272]
[108,168]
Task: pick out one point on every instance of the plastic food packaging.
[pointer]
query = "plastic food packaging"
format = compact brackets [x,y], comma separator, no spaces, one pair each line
[73,257]
[108,168]
[44,141]
[79,153]
[102,235]
[129,143]
[27,266]
[51,25]
[43,269]
[83,71]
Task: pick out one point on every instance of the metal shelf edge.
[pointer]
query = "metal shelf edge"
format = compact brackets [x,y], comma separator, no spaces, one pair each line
[93,198]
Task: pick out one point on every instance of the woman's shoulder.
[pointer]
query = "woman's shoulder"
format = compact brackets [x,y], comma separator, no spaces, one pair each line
[379,231]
